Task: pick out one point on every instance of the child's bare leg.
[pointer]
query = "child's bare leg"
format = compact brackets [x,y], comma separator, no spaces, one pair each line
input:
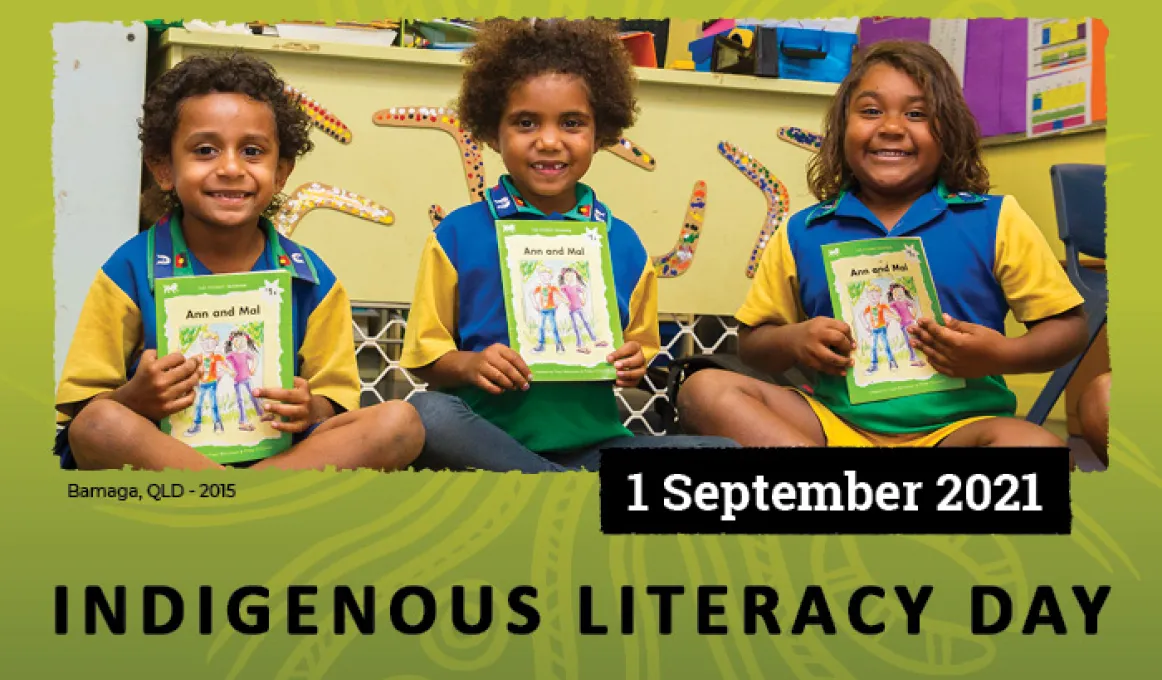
[1093,409]
[385,437]
[749,411]
[108,435]
[1000,432]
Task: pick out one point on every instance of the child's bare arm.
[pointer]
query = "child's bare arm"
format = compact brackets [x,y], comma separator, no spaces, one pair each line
[822,343]
[495,369]
[160,387]
[440,373]
[966,350]
[1048,344]
[766,347]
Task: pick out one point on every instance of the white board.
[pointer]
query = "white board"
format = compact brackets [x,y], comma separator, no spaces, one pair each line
[98,90]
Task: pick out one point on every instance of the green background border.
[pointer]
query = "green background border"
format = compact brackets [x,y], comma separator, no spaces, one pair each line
[504,529]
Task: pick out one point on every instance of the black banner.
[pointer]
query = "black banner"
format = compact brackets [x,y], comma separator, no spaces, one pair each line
[835,491]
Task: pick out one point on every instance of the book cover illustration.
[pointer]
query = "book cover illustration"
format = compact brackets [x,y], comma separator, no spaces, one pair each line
[880,287]
[559,297]
[238,327]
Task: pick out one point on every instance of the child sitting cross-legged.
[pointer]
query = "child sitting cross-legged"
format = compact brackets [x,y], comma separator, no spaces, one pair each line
[220,138]
[546,96]
[901,157]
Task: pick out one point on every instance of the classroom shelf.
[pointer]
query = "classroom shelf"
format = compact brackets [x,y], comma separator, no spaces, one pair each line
[446,59]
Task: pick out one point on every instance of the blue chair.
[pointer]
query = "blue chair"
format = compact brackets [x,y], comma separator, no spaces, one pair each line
[1079,198]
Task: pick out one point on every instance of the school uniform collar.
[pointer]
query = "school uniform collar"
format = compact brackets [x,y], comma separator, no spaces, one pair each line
[277,252]
[926,208]
[581,212]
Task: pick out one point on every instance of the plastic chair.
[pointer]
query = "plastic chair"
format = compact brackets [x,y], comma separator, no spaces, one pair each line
[1079,198]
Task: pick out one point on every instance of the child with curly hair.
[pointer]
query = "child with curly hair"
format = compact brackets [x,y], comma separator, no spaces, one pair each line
[546,96]
[901,157]
[220,138]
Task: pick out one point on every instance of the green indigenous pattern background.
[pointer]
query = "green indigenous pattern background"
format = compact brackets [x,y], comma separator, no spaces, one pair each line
[504,530]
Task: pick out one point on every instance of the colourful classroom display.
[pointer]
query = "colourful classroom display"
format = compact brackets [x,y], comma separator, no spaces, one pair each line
[1062,46]
[1059,107]
[1006,62]
[1057,45]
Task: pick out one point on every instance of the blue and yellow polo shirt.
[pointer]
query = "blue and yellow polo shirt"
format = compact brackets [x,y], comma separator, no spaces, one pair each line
[118,322]
[986,256]
[459,305]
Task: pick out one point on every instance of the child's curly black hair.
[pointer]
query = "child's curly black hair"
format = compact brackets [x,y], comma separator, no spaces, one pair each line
[233,73]
[508,51]
[953,125]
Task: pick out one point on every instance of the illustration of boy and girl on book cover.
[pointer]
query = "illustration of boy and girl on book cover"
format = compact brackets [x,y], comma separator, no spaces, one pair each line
[556,292]
[559,297]
[881,287]
[225,352]
[897,309]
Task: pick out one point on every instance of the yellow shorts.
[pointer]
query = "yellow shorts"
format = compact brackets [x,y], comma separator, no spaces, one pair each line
[841,433]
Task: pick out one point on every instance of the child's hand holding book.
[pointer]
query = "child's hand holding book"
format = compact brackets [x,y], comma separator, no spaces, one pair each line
[293,406]
[496,369]
[630,363]
[160,387]
[960,349]
[824,344]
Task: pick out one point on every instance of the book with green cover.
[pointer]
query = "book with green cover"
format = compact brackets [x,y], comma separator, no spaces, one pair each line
[560,298]
[880,287]
[238,327]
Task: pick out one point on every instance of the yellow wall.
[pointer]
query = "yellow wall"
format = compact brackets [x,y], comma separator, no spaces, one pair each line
[683,117]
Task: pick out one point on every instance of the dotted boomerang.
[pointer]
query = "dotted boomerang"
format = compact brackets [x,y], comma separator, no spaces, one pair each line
[778,202]
[316,195]
[320,117]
